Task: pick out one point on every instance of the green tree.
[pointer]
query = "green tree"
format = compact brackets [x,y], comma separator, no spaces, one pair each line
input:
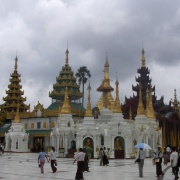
[83,74]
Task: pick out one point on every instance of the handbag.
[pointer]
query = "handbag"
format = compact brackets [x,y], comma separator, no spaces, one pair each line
[153,161]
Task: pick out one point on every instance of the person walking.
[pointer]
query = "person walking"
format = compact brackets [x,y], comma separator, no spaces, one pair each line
[168,150]
[158,160]
[105,159]
[89,152]
[100,156]
[85,166]
[140,160]
[79,157]
[52,158]
[41,159]
[174,160]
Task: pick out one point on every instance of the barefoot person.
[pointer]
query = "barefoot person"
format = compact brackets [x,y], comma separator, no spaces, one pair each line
[79,157]
[52,158]
[41,159]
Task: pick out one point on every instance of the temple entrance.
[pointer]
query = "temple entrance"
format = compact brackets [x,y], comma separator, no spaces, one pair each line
[119,147]
[89,142]
[38,143]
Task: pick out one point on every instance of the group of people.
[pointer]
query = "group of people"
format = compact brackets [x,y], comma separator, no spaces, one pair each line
[169,155]
[52,159]
[83,158]
[103,156]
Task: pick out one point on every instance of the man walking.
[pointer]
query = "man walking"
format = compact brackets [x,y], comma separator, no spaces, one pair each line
[79,157]
[141,157]
[174,160]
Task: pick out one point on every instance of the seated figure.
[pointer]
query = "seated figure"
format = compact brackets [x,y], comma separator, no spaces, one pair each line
[117,144]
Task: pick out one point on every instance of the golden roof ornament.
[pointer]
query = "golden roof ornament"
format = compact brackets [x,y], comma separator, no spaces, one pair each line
[67,58]
[16,66]
[17,116]
[147,99]
[105,86]
[175,102]
[66,109]
[150,110]
[140,110]
[117,106]
[89,110]
[143,59]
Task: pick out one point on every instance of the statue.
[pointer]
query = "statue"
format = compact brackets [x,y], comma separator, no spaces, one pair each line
[117,144]
[88,143]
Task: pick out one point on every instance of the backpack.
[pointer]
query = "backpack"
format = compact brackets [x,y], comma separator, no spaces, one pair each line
[178,162]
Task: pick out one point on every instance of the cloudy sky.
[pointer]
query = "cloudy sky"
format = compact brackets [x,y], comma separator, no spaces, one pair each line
[38,31]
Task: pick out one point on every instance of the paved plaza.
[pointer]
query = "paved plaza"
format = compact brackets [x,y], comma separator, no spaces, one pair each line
[24,166]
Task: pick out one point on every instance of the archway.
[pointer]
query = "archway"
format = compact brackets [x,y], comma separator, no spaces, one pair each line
[119,146]
[89,142]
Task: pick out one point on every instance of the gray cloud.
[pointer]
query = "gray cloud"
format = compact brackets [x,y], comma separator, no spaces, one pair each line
[39,30]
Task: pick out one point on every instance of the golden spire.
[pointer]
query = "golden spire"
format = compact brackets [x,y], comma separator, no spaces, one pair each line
[175,102]
[143,59]
[67,58]
[117,106]
[106,68]
[17,116]
[147,100]
[89,110]
[15,66]
[140,110]
[105,86]
[150,110]
[66,109]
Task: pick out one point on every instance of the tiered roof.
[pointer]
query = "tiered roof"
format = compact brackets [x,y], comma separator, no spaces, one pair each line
[66,79]
[14,95]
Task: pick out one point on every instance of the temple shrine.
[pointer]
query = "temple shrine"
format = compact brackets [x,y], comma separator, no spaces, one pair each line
[67,125]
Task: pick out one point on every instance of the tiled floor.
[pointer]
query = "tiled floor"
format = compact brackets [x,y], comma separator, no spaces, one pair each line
[24,166]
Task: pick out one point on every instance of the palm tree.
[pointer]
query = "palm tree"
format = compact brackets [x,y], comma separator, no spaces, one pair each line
[83,74]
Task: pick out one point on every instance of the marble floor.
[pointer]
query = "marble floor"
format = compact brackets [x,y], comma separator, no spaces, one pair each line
[24,166]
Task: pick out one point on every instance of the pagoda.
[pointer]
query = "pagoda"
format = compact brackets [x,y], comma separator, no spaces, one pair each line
[14,96]
[144,85]
[106,100]
[67,80]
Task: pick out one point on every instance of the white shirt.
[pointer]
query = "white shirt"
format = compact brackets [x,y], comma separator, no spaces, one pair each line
[174,158]
[142,154]
[52,155]
[80,156]
[168,149]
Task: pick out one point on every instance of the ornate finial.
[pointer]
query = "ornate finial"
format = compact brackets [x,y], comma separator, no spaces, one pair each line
[66,109]
[89,110]
[17,116]
[147,99]
[15,66]
[67,58]
[117,106]
[150,109]
[143,58]
[106,63]
[140,110]
[175,102]
[175,95]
